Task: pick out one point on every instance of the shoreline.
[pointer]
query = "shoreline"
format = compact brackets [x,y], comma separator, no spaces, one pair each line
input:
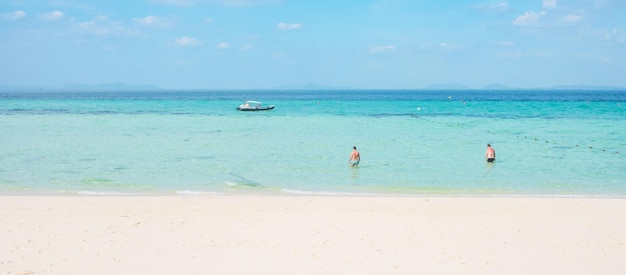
[298,193]
[267,234]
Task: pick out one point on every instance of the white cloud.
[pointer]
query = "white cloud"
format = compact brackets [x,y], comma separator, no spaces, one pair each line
[149,20]
[505,43]
[510,55]
[223,45]
[528,18]
[573,18]
[227,3]
[382,49]
[604,59]
[246,48]
[599,4]
[246,3]
[493,6]
[549,4]
[176,2]
[53,15]
[92,27]
[19,14]
[613,35]
[154,21]
[287,27]
[187,41]
[102,26]
[208,20]
[449,47]
[279,55]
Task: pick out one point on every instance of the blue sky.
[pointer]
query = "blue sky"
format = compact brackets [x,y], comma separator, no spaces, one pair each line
[247,44]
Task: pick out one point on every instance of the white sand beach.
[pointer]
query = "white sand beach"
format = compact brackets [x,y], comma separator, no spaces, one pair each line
[259,234]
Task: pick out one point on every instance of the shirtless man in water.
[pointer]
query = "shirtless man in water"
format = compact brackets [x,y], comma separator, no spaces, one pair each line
[490,155]
[355,157]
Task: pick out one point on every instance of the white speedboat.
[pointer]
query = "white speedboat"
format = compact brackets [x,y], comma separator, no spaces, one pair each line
[254,106]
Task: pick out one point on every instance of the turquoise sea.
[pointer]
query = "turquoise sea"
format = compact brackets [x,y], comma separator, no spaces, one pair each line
[412,142]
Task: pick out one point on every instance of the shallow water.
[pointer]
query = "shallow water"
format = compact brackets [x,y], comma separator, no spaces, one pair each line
[412,142]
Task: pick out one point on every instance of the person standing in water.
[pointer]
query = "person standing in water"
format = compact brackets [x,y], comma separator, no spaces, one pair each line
[355,157]
[490,155]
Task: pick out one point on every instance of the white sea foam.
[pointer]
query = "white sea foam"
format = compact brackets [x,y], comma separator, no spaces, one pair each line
[105,193]
[327,193]
[196,193]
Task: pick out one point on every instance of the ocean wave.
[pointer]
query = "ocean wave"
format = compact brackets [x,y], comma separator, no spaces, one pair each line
[103,193]
[327,193]
[196,193]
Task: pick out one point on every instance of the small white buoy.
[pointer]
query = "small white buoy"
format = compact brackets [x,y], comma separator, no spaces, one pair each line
[418,108]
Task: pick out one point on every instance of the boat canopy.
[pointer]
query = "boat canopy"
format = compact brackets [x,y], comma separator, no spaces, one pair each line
[252,102]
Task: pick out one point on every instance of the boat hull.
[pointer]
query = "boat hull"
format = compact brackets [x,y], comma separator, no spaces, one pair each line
[253,109]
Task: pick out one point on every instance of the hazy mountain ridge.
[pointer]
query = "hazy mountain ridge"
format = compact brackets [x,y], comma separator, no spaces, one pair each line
[109,86]
[120,86]
[81,87]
